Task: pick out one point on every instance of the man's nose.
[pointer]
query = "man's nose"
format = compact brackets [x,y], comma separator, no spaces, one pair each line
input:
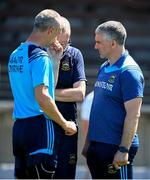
[95,47]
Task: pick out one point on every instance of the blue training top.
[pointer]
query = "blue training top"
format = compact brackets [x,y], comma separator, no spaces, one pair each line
[29,66]
[115,85]
[71,70]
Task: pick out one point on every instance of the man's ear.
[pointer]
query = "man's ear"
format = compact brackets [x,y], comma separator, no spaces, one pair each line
[113,43]
[50,30]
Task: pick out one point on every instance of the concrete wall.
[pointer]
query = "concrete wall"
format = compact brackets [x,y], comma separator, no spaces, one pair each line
[143,156]
[6,123]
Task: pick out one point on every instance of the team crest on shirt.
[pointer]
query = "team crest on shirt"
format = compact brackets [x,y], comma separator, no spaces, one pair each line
[112,78]
[65,66]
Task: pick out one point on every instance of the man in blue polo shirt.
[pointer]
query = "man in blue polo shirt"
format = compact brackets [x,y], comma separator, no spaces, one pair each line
[35,112]
[112,141]
[69,90]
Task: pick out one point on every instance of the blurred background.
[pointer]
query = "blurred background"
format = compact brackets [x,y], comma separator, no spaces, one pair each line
[16,21]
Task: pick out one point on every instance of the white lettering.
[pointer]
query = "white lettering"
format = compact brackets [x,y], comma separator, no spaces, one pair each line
[104,85]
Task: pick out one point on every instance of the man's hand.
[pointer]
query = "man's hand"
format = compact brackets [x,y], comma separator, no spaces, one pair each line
[70,128]
[55,51]
[120,159]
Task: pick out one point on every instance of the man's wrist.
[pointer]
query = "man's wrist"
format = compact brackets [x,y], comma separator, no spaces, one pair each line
[64,124]
[123,149]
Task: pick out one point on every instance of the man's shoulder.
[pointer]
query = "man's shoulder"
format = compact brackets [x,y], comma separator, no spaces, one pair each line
[73,54]
[130,64]
[34,49]
[73,50]
[35,52]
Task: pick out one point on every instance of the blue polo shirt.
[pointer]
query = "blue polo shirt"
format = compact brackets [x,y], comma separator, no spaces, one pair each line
[29,66]
[71,70]
[116,84]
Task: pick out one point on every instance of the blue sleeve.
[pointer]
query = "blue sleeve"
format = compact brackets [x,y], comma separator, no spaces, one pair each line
[40,71]
[132,84]
[78,69]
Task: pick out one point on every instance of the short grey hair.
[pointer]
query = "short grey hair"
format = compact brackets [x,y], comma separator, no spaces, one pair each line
[46,18]
[113,30]
[66,28]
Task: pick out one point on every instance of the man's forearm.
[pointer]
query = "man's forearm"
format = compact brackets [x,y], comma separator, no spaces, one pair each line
[133,108]
[69,95]
[48,106]
[129,130]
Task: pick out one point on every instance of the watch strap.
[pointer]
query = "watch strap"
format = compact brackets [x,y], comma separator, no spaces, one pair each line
[123,149]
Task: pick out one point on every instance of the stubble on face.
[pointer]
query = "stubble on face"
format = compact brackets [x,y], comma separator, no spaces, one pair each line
[102,45]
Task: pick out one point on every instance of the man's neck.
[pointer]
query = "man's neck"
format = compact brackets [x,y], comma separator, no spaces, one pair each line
[36,39]
[116,55]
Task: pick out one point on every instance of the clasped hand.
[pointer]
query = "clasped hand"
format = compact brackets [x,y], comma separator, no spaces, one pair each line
[120,159]
[70,128]
[55,51]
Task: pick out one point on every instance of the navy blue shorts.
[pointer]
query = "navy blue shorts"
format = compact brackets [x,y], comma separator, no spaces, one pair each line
[67,154]
[100,157]
[34,142]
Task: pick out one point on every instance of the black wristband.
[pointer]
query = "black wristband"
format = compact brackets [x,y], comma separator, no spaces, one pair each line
[123,149]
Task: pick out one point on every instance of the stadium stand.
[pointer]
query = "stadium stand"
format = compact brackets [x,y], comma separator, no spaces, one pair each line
[16,19]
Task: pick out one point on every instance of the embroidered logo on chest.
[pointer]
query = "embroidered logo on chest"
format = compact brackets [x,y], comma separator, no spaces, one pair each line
[112,78]
[65,66]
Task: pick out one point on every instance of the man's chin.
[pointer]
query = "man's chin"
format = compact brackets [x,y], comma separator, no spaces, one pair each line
[101,56]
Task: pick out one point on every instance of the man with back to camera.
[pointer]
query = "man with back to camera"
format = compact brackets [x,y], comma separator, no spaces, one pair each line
[112,142]
[69,90]
[35,112]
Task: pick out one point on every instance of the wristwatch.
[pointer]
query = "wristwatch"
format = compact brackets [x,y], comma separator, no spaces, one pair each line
[123,149]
